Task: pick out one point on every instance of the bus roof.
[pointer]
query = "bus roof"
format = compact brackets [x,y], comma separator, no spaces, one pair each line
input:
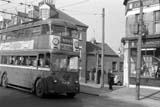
[59,22]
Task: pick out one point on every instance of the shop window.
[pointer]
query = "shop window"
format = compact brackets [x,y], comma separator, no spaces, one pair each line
[121,66]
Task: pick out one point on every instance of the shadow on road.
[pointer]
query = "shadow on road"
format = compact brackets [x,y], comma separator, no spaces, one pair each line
[154,96]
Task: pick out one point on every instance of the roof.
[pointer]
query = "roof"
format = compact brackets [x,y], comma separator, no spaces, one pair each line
[64,16]
[91,49]
[107,49]
[72,20]
[125,2]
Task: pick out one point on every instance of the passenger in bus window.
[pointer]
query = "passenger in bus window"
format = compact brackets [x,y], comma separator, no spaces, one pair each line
[28,61]
[47,62]
[41,62]
[16,60]
[34,62]
[21,60]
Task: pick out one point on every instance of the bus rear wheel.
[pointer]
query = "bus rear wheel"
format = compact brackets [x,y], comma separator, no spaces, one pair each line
[39,88]
[71,95]
[4,81]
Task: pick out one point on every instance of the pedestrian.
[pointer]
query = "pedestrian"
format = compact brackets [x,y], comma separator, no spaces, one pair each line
[158,73]
[110,79]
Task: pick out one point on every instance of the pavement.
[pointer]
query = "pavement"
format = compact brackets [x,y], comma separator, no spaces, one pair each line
[148,97]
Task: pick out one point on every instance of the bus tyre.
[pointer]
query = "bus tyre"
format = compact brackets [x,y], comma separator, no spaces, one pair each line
[71,95]
[4,81]
[39,88]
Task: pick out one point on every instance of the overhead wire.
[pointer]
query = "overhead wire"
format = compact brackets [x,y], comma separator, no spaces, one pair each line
[81,12]
[21,3]
[73,4]
[69,5]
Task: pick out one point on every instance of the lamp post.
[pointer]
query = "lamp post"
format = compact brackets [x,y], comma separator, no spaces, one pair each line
[102,55]
[139,46]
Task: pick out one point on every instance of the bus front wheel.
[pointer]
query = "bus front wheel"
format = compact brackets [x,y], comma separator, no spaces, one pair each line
[4,81]
[39,89]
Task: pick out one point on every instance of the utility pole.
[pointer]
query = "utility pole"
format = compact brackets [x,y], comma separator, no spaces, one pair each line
[102,55]
[25,7]
[139,45]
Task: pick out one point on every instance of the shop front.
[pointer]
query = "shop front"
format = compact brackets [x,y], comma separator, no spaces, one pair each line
[150,62]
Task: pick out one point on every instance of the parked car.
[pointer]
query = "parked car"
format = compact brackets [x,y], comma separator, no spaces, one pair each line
[118,80]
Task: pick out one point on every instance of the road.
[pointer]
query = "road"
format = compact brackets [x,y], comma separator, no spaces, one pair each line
[14,98]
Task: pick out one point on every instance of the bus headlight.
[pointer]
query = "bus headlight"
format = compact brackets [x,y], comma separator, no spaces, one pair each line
[76,82]
[55,81]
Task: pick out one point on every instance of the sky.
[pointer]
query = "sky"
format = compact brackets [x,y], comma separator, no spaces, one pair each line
[90,13]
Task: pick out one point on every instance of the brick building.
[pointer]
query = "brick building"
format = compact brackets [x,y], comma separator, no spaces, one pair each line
[111,61]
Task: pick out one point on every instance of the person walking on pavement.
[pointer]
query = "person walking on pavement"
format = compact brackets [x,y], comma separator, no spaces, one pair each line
[110,79]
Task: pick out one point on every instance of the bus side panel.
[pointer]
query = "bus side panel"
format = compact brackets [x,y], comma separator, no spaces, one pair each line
[39,73]
[11,75]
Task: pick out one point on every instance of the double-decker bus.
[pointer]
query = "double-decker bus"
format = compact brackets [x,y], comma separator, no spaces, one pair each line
[40,56]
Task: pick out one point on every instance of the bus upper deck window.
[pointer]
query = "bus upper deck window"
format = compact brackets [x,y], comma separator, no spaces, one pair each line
[74,34]
[57,30]
[45,29]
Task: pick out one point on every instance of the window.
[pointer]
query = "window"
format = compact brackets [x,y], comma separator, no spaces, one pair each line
[0,36]
[80,35]
[28,32]
[44,13]
[21,33]
[36,31]
[58,30]
[4,60]
[74,34]
[44,60]
[121,66]
[68,32]
[114,66]
[157,22]
[19,60]
[47,60]
[32,61]
[60,62]
[4,37]
[41,60]
[45,29]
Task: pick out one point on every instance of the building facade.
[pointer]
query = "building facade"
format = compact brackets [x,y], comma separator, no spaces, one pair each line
[111,61]
[150,51]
